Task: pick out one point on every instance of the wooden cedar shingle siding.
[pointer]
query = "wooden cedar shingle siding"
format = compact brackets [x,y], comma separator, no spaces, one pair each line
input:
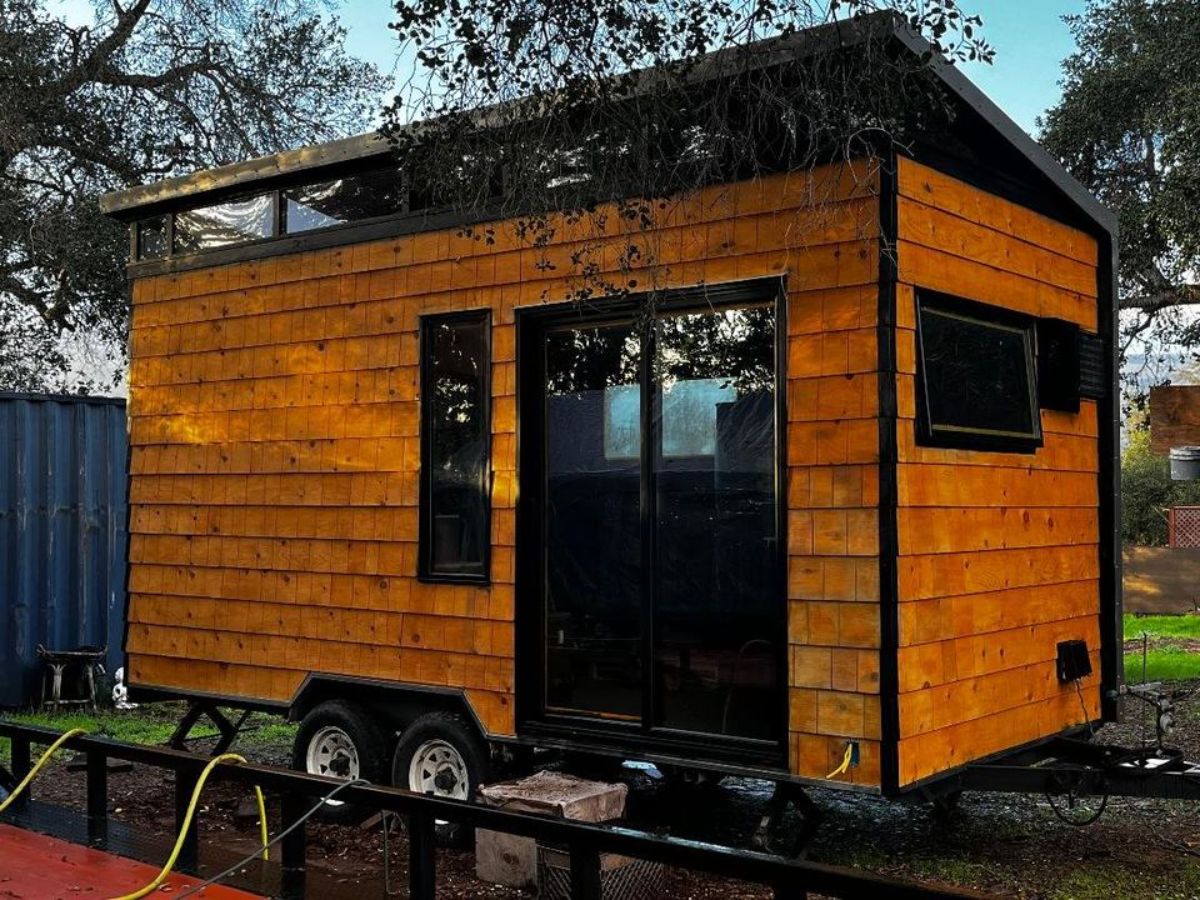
[999,552]
[833,528]
[274,415]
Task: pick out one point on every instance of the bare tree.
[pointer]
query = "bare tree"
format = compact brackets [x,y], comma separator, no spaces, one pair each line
[148,89]
[532,107]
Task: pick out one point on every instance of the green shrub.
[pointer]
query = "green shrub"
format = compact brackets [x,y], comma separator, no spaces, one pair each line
[1147,491]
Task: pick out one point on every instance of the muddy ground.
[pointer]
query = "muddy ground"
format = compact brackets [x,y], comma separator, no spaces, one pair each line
[1010,845]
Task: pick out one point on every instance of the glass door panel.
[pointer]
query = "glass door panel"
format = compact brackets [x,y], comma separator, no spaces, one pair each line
[593,521]
[717,622]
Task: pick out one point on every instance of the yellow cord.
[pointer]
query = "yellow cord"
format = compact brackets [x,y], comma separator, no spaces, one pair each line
[845,763]
[74,732]
[187,823]
[187,819]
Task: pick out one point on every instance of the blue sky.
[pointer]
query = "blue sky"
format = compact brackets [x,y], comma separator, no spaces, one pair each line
[1030,38]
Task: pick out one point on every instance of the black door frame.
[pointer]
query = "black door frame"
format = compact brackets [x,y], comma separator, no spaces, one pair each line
[530,664]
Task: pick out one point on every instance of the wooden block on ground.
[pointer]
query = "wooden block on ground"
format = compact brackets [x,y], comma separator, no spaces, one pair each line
[513,861]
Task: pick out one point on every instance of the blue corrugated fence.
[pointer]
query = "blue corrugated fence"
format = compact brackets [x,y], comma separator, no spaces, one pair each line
[63,521]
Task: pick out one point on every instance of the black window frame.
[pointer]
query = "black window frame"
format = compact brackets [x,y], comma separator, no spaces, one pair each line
[960,437]
[425,570]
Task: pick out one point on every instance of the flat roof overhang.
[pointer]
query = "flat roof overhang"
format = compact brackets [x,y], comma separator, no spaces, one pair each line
[372,149]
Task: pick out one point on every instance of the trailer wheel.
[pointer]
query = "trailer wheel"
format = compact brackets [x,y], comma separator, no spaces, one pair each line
[442,754]
[341,740]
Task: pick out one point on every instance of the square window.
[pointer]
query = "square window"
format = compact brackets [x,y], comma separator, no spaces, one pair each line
[976,384]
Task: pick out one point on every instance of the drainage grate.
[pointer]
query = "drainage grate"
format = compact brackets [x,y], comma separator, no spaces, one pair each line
[621,877]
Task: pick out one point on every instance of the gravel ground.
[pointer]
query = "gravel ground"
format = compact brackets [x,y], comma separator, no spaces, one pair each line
[1011,845]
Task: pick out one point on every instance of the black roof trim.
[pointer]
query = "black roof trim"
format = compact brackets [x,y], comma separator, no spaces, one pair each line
[371,148]
[61,398]
[1012,133]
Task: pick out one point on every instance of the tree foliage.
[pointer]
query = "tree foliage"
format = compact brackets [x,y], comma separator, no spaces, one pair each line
[148,89]
[531,106]
[1128,127]
[1147,492]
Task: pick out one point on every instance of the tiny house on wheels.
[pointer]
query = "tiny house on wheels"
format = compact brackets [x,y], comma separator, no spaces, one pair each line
[848,490]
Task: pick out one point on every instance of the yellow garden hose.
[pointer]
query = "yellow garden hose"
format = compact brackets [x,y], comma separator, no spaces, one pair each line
[74,732]
[187,819]
[187,823]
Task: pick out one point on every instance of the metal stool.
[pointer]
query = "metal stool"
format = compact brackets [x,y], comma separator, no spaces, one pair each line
[57,663]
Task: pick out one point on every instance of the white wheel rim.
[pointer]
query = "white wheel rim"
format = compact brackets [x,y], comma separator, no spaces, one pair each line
[438,768]
[332,753]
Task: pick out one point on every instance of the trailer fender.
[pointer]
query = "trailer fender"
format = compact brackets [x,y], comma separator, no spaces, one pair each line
[397,704]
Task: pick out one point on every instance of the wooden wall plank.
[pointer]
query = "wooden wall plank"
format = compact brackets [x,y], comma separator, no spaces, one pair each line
[943,618]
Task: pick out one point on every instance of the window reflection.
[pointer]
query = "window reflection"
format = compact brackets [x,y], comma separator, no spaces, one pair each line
[593,521]
[224,224]
[341,200]
[717,606]
[152,238]
[456,433]
[622,422]
[978,377]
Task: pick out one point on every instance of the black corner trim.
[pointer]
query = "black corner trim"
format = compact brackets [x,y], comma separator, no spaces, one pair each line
[1108,416]
[889,611]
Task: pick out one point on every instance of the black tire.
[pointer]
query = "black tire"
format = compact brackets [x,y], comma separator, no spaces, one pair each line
[368,741]
[447,734]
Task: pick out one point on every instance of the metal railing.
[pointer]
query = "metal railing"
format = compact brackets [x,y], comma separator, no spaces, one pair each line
[298,791]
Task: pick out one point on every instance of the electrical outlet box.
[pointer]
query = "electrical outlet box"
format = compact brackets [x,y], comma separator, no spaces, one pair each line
[1073,660]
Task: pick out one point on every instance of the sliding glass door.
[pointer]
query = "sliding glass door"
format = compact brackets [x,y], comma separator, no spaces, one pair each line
[655,582]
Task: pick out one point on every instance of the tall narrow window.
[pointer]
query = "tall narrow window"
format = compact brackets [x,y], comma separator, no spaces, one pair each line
[455,447]
[152,238]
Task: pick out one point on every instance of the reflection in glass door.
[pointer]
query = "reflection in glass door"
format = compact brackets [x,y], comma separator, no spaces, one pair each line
[593,562]
[716,602]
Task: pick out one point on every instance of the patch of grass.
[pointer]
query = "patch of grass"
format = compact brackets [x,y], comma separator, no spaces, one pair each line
[1093,881]
[145,725]
[1162,626]
[148,724]
[854,856]
[1167,658]
[950,870]
[1163,664]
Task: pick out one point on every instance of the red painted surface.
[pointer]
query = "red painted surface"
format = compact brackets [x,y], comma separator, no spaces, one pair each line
[37,867]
